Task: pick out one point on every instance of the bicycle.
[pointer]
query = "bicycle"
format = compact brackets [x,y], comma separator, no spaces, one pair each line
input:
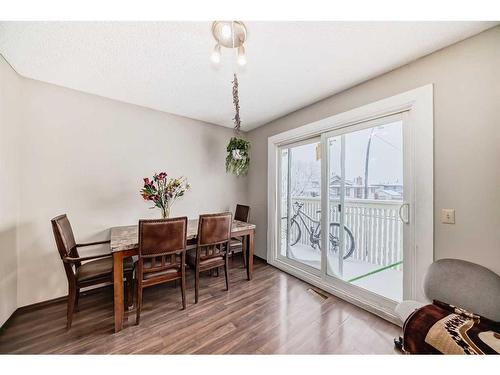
[314,231]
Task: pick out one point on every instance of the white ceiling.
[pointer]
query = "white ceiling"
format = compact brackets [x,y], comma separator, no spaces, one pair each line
[166,65]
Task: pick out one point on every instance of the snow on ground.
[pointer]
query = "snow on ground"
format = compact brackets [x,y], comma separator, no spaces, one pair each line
[388,283]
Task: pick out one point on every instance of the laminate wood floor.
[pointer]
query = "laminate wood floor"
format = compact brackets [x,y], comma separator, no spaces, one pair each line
[273,313]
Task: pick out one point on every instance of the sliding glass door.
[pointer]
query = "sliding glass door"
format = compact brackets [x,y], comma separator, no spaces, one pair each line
[366,196]
[300,216]
[356,177]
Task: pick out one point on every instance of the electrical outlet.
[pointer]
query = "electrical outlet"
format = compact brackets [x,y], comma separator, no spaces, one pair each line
[448,216]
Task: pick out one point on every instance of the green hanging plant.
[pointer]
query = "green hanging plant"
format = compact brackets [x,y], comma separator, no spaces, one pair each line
[238,156]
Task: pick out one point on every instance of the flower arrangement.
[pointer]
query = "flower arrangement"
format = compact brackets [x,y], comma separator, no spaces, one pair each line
[163,191]
[238,157]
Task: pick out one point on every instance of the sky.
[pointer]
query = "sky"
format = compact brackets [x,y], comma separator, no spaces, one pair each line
[386,157]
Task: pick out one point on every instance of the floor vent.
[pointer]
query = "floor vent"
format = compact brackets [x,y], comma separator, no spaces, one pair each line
[318,293]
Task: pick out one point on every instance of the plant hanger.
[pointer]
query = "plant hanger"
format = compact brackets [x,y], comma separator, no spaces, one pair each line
[232,34]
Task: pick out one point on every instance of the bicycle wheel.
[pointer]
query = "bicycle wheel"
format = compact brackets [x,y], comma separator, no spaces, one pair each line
[350,245]
[295,233]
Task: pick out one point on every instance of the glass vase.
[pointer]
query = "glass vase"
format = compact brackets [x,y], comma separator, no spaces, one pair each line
[165,212]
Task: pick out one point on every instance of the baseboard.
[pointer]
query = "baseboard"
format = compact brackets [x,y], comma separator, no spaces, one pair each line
[7,321]
[38,305]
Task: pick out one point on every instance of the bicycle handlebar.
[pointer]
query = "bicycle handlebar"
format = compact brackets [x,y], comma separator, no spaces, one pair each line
[301,204]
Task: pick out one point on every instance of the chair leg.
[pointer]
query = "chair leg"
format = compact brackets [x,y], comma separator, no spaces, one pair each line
[77,298]
[398,343]
[138,276]
[71,305]
[183,286]
[226,271]
[196,283]
[138,303]
[129,295]
[125,295]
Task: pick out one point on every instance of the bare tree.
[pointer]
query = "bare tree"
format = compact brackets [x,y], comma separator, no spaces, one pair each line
[303,174]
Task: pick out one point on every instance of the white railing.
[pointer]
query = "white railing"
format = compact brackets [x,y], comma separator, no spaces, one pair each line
[375,226]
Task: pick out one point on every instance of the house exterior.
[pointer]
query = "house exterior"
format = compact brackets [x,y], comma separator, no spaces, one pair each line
[355,189]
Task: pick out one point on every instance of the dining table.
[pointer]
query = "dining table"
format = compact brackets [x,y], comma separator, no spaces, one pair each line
[125,243]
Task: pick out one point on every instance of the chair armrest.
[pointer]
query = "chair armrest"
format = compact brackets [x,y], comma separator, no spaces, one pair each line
[81,259]
[92,243]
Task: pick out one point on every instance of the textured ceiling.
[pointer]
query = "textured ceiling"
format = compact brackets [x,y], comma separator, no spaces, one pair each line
[166,65]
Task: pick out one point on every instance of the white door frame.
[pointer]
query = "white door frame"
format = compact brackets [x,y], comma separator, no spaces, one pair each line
[417,108]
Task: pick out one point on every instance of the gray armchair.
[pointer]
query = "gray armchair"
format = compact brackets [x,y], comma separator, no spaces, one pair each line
[462,284]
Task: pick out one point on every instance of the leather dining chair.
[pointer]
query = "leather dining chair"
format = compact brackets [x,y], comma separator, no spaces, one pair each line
[85,271]
[236,245]
[214,234]
[162,255]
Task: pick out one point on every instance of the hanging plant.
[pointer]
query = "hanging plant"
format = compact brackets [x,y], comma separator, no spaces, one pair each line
[238,156]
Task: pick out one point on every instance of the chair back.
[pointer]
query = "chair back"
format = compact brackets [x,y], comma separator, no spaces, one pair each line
[214,234]
[162,236]
[466,285]
[214,229]
[242,212]
[65,242]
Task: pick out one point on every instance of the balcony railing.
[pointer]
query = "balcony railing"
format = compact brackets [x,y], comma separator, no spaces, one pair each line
[375,226]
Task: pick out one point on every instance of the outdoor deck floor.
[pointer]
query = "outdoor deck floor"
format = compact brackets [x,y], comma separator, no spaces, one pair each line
[388,283]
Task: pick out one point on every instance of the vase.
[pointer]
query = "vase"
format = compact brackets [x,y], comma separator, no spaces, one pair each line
[237,154]
[165,212]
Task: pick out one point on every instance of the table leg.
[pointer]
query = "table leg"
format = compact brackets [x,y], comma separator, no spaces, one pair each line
[250,256]
[244,251]
[118,289]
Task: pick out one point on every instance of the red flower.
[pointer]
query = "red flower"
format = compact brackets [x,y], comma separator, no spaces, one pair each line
[146,182]
[161,176]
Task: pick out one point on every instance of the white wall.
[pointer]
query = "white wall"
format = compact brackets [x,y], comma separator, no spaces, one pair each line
[86,156]
[466,78]
[9,124]
[65,151]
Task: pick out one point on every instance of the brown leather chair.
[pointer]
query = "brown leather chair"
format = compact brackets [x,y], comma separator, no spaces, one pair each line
[236,245]
[82,272]
[162,255]
[214,234]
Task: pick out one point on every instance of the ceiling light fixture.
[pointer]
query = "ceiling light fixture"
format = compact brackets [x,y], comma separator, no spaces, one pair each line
[242,58]
[216,54]
[229,34]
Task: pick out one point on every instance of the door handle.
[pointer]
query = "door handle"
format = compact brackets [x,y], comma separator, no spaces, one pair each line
[400,213]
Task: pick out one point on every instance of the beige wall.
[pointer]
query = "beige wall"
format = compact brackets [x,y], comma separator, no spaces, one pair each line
[65,151]
[9,124]
[466,78]
[86,156]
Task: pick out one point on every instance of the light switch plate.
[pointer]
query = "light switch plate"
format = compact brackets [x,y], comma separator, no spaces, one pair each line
[448,216]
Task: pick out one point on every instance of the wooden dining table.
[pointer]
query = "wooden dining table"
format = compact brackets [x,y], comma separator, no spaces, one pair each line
[125,243]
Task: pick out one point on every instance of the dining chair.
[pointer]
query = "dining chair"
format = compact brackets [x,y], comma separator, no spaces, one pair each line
[85,271]
[214,234]
[162,255]
[236,245]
